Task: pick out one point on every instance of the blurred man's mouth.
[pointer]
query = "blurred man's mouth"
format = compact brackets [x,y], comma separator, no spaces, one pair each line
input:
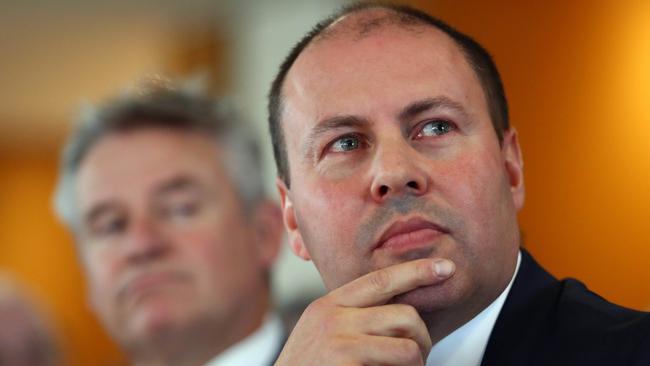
[145,284]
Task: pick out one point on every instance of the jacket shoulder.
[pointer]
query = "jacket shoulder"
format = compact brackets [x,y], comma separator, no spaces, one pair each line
[583,309]
[586,321]
[549,322]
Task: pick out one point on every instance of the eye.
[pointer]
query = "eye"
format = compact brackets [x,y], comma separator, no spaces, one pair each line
[345,144]
[435,128]
[109,226]
[180,210]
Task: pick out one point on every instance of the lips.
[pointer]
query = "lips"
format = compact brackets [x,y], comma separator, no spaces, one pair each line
[145,283]
[414,232]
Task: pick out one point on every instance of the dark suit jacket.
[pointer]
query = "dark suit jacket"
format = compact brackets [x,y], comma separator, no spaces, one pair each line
[549,322]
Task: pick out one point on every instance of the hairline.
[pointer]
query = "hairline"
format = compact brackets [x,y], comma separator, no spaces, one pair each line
[225,140]
[322,31]
[221,153]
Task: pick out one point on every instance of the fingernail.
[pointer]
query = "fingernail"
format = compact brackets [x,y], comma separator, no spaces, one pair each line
[443,267]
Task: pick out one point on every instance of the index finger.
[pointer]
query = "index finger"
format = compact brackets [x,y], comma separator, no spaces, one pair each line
[378,287]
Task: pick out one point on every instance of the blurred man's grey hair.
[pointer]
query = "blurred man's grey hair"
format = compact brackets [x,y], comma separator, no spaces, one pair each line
[164,106]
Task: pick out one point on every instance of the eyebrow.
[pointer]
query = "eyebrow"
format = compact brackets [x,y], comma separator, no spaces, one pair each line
[424,105]
[177,183]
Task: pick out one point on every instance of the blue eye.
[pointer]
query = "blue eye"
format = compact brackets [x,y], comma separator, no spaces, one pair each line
[346,143]
[435,128]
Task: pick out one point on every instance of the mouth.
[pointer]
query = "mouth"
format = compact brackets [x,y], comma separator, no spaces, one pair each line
[148,283]
[410,234]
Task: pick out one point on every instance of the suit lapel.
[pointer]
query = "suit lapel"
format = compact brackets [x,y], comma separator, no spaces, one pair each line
[522,328]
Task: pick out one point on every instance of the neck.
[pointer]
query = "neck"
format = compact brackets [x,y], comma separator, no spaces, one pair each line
[441,323]
[197,343]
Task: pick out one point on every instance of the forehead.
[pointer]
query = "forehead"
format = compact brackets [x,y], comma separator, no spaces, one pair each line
[128,165]
[348,74]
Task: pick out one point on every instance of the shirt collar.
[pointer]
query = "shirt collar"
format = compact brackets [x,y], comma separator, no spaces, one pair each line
[465,346]
[259,348]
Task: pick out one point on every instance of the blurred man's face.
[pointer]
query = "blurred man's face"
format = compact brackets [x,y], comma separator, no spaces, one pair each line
[393,157]
[164,238]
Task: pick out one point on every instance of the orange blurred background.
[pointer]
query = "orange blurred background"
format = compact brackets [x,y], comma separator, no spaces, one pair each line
[577,76]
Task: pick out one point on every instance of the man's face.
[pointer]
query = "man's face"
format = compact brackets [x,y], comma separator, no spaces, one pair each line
[393,157]
[163,236]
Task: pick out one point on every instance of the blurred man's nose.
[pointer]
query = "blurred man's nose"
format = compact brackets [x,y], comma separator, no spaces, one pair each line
[145,241]
[396,171]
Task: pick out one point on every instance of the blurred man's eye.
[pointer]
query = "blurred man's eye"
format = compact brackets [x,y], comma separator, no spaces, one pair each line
[108,226]
[185,209]
[181,210]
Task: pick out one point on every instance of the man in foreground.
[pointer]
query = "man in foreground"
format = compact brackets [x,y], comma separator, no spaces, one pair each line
[162,191]
[401,178]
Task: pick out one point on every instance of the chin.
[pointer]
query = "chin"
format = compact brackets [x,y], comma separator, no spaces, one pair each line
[158,318]
[429,299]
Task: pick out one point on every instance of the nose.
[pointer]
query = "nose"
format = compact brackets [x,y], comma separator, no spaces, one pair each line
[145,242]
[397,171]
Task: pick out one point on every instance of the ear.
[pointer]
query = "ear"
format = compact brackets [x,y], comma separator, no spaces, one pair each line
[268,231]
[514,165]
[296,243]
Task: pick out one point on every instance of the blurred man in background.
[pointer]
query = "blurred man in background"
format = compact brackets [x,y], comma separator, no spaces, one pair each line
[401,178]
[163,193]
[26,337]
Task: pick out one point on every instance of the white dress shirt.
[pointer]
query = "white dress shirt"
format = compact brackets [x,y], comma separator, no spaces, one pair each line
[465,346]
[258,349]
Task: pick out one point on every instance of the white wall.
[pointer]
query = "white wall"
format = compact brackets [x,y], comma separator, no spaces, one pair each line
[264,32]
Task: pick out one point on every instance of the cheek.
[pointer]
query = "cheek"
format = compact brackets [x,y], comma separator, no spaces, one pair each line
[217,256]
[101,268]
[328,219]
[215,234]
[476,186]
[327,210]
[475,180]
[204,249]
[468,186]
[102,279]
[339,168]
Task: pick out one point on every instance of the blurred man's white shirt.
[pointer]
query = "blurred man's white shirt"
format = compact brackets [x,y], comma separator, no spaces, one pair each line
[466,345]
[258,349]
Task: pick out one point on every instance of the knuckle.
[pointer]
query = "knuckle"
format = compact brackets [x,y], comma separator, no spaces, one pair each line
[325,317]
[423,269]
[339,346]
[380,281]
[316,308]
[409,351]
[408,315]
[343,347]
[410,312]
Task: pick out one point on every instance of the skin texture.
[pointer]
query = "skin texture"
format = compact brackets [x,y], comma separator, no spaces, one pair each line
[176,269]
[391,129]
